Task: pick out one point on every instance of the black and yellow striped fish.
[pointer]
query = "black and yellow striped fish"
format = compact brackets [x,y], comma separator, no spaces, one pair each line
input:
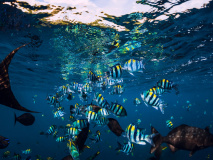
[153,100]
[169,124]
[51,129]
[92,77]
[117,109]
[101,100]
[91,116]
[166,84]
[115,71]
[61,139]
[157,90]
[80,123]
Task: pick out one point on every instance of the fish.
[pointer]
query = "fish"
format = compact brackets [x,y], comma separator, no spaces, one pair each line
[87,88]
[100,100]
[183,137]
[52,99]
[58,114]
[115,71]
[6,154]
[126,148]
[51,129]
[166,84]
[74,152]
[117,109]
[136,135]
[76,86]
[133,65]
[4,142]
[7,97]
[92,77]
[137,101]
[16,156]
[103,112]
[115,127]
[102,121]
[91,116]
[26,119]
[153,100]
[73,132]
[157,90]
[80,123]
[97,137]
[93,156]
[27,151]
[61,139]
[169,124]
[117,89]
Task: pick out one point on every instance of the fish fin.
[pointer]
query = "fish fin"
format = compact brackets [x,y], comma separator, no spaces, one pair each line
[155,107]
[173,149]
[148,138]
[157,140]
[145,103]
[15,118]
[131,73]
[161,106]
[141,143]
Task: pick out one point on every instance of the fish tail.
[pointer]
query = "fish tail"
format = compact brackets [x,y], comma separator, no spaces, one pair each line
[162,106]
[148,138]
[119,146]
[15,118]
[157,140]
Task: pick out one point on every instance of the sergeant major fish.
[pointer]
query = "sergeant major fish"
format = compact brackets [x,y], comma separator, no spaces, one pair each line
[166,84]
[133,65]
[126,148]
[115,71]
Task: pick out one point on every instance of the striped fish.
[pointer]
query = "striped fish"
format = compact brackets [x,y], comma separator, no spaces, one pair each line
[100,100]
[73,132]
[51,129]
[61,139]
[166,84]
[115,71]
[117,109]
[103,112]
[91,116]
[126,148]
[117,89]
[73,149]
[133,65]
[169,124]
[27,151]
[136,135]
[92,77]
[52,99]
[102,121]
[87,88]
[80,123]
[153,100]
[76,86]
[157,90]
[137,101]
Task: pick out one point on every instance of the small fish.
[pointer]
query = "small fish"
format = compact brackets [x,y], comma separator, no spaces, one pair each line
[92,77]
[133,65]
[58,114]
[51,129]
[137,135]
[100,100]
[166,84]
[6,154]
[61,139]
[117,89]
[137,101]
[124,100]
[157,90]
[153,100]
[87,88]
[91,116]
[4,142]
[73,132]
[76,86]
[126,148]
[115,71]
[73,149]
[117,109]
[103,112]
[102,121]
[169,124]
[55,134]
[80,123]
[27,151]
[97,137]
[52,99]
[26,119]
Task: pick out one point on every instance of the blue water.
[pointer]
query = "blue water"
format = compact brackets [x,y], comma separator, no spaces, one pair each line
[178,49]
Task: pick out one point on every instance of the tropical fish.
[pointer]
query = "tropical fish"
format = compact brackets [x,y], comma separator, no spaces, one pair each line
[87,88]
[183,137]
[137,101]
[115,71]
[52,99]
[157,90]
[102,121]
[51,129]
[76,109]
[169,124]
[80,123]
[92,77]
[91,116]
[74,152]
[126,148]
[61,139]
[133,65]
[55,133]
[103,112]
[117,89]
[153,100]
[58,114]
[4,142]
[76,86]
[166,84]
[27,151]
[26,119]
[6,154]
[115,127]
[73,132]
[117,109]
[136,135]
[97,137]
[100,100]
[7,97]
